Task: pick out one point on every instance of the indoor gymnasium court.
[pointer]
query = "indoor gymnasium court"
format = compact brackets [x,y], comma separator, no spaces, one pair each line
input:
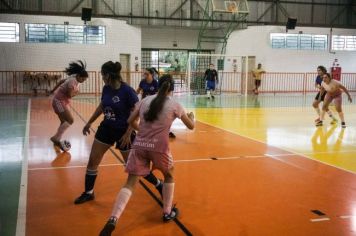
[271,84]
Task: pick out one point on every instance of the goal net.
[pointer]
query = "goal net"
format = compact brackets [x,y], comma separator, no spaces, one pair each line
[232,73]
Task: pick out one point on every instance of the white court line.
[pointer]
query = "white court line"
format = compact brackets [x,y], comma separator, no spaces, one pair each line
[311,153]
[320,219]
[120,164]
[21,212]
[71,167]
[346,217]
[284,149]
[186,160]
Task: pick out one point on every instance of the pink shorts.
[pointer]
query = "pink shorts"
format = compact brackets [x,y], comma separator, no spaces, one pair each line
[59,106]
[139,161]
[337,99]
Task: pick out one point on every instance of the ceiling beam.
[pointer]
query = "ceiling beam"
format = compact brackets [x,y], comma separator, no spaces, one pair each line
[126,17]
[6,4]
[338,15]
[178,8]
[109,7]
[76,6]
[265,12]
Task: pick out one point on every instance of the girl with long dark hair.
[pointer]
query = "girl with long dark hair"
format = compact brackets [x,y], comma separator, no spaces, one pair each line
[117,102]
[151,146]
[64,91]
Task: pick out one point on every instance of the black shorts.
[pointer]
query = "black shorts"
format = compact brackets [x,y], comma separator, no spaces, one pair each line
[322,96]
[110,136]
[257,82]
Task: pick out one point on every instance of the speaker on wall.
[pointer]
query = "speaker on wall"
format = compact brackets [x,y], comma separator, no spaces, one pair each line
[86,14]
[291,23]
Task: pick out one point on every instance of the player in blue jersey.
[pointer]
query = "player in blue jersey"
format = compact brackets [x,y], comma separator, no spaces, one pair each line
[117,101]
[321,95]
[211,77]
[148,85]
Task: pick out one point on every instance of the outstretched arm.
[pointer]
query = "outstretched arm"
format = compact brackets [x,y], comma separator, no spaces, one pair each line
[346,91]
[188,120]
[94,116]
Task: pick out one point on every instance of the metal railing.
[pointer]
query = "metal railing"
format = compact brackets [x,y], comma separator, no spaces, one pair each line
[41,82]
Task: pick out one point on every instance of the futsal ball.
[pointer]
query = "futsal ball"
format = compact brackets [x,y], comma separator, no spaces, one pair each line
[66,145]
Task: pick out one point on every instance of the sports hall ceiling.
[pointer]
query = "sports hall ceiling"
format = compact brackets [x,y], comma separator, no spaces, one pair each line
[189,13]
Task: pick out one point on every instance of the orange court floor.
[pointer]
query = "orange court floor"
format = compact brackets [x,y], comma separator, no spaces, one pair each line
[240,172]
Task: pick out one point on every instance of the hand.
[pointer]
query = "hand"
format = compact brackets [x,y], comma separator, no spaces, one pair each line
[350,99]
[191,115]
[126,139]
[86,129]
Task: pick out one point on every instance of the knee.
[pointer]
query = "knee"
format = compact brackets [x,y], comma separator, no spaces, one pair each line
[325,108]
[168,177]
[70,121]
[315,104]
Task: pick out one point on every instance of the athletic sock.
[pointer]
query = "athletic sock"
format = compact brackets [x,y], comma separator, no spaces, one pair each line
[90,178]
[168,191]
[122,199]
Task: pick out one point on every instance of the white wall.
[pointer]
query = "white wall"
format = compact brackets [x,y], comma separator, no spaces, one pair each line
[120,39]
[255,41]
[163,38]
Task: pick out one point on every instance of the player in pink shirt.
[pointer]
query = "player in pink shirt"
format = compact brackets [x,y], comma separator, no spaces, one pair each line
[63,92]
[156,114]
[333,90]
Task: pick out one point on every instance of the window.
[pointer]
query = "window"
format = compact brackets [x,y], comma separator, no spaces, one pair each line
[320,42]
[95,34]
[292,41]
[278,40]
[9,32]
[54,33]
[343,42]
[299,41]
[36,33]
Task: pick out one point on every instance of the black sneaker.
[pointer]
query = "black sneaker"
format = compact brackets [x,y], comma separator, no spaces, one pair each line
[85,197]
[174,214]
[212,97]
[319,123]
[172,135]
[109,227]
[343,124]
[160,188]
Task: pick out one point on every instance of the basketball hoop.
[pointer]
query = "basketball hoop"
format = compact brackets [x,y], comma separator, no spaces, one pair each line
[231,6]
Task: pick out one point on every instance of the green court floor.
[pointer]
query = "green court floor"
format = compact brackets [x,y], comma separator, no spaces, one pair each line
[13,114]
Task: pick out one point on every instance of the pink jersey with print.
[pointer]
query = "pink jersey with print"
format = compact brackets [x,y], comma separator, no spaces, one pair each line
[333,87]
[62,93]
[153,136]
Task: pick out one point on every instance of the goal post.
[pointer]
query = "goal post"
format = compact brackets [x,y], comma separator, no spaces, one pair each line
[232,73]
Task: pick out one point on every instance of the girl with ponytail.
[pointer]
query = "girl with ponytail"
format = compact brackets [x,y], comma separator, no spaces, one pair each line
[63,92]
[156,114]
[117,102]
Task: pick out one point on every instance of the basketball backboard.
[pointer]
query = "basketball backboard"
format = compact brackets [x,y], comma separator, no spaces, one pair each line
[237,6]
